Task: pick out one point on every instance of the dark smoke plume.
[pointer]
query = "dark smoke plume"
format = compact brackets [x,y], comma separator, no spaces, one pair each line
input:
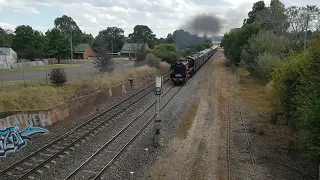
[203,24]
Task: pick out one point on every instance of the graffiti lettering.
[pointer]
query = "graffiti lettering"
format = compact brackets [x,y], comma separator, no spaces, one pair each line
[12,140]
[39,119]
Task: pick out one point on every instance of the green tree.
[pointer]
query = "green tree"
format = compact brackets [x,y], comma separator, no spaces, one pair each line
[167,52]
[256,8]
[273,18]
[112,37]
[235,40]
[143,34]
[263,42]
[27,42]
[57,44]
[69,27]
[308,100]
[102,46]
[87,38]
[6,37]
[170,38]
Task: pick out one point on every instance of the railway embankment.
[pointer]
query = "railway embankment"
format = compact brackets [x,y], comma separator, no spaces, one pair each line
[229,134]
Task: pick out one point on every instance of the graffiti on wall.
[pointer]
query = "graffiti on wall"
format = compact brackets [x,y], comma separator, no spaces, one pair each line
[25,120]
[11,139]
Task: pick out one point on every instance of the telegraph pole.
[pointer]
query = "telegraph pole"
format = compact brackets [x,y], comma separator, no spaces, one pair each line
[305,35]
[71,52]
[157,122]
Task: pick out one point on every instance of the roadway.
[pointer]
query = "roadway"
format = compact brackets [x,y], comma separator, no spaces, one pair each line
[86,71]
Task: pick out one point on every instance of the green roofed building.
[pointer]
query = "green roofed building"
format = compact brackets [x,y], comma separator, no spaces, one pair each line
[83,51]
[130,49]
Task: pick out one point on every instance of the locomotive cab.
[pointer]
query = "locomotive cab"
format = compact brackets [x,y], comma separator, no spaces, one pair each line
[179,72]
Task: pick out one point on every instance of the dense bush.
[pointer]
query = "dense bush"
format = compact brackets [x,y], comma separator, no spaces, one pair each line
[265,64]
[236,40]
[153,61]
[167,52]
[58,77]
[263,42]
[297,92]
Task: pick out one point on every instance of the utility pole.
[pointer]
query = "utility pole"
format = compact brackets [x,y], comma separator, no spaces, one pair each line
[305,35]
[157,123]
[71,51]
[112,47]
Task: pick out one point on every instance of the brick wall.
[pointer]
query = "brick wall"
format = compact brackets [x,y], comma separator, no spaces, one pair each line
[89,52]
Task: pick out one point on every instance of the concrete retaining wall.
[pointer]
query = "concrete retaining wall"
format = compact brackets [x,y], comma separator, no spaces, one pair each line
[74,109]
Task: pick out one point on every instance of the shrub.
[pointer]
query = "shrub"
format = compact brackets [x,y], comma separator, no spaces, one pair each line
[242,74]
[153,61]
[58,77]
[265,64]
[164,67]
[266,44]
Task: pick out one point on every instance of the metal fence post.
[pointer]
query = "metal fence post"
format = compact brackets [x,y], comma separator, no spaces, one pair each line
[24,80]
[46,76]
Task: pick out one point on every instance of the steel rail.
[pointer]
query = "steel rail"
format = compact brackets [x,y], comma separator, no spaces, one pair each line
[25,175]
[16,164]
[114,137]
[135,136]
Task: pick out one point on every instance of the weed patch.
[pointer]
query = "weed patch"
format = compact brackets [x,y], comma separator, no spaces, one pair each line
[187,122]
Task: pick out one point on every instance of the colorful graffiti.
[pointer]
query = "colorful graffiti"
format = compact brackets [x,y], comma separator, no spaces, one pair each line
[24,120]
[11,139]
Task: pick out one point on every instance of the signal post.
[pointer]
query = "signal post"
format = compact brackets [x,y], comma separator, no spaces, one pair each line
[157,140]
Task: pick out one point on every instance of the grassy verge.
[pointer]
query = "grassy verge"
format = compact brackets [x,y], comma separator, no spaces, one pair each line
[40,68]
[120,61]
[34,95]
[256,96]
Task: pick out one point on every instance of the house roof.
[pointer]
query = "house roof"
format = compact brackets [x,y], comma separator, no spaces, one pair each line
[132,47]
[81,48]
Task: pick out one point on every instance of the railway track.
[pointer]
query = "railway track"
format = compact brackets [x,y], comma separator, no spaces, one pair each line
[249,145]
[105,156]
[30,164]
[247,140]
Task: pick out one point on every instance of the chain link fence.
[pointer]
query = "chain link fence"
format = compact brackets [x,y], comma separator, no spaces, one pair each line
[73,74]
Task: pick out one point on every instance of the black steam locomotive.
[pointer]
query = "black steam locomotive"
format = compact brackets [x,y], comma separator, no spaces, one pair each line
[186,67]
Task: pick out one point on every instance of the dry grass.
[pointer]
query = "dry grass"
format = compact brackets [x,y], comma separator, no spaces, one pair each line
[18,96]
[187,122]
[256,96]
[198,166]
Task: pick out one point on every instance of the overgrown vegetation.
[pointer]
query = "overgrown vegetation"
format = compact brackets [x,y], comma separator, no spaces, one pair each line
[19,96]
[270,45]
[58,77]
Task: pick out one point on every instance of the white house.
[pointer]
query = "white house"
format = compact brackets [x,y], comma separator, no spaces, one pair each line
[7,58]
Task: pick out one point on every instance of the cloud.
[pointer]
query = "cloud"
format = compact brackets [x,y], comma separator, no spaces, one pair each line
[18,6]
[162,16]
[13,26]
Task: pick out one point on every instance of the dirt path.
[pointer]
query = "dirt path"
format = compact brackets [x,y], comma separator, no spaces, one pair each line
[198,152]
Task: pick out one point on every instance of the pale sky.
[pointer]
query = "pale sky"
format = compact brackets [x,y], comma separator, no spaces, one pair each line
[162,16]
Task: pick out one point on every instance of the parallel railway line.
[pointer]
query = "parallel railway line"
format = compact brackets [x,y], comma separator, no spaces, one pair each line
[249,145]
[111,148]
[36,160]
